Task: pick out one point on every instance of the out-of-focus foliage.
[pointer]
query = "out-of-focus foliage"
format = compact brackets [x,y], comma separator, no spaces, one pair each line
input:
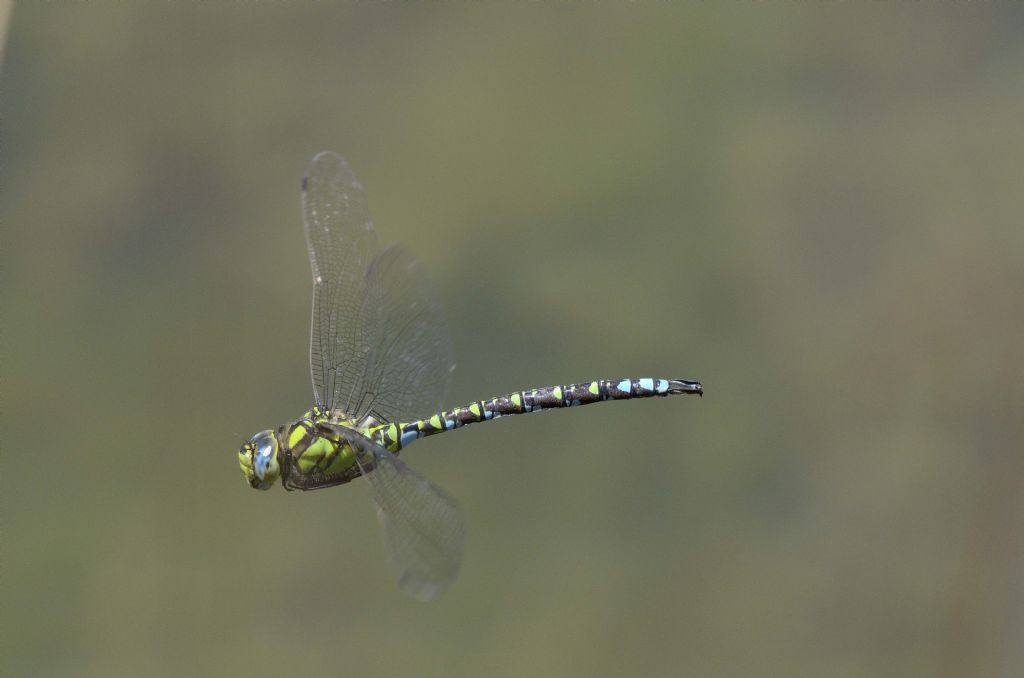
[815,209]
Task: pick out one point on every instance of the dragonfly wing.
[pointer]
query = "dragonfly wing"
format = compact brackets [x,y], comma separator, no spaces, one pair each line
[410,365]
[342,244]
[423,528]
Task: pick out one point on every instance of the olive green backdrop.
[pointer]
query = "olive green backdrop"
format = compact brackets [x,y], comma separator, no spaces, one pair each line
[814,209]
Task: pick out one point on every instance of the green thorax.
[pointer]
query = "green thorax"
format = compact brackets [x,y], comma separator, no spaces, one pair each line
[313,456]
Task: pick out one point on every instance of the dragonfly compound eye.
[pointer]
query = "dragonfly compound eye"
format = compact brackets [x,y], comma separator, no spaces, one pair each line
[258,459]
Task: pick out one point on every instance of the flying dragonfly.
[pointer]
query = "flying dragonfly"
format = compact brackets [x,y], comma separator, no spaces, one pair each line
[380,357]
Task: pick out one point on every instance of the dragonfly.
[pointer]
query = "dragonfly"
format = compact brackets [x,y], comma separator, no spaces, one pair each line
[381,361]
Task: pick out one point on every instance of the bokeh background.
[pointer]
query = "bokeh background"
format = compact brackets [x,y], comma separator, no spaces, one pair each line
[814,209]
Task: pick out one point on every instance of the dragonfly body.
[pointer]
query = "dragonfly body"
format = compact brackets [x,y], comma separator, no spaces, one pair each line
[311,455]
[380,355]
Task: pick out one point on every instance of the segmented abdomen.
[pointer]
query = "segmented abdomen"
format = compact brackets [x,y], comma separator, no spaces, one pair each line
[397,436]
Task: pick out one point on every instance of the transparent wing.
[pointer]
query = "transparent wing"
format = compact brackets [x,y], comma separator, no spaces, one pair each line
[423,527]
[410,363]
[379,340]
[342,243]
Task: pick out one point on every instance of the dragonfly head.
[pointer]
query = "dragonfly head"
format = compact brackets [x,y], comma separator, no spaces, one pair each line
[258,459]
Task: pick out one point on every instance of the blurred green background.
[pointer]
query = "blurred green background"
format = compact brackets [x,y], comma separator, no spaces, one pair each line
[814,209]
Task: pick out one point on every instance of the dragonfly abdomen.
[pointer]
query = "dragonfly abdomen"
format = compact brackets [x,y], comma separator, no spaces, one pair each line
[536,400]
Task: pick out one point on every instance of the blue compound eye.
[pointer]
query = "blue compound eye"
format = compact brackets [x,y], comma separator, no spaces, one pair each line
[265,457]
[265,445]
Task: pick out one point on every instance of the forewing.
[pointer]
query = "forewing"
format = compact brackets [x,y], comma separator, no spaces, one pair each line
[423,528]
[410,365]
[342,244]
